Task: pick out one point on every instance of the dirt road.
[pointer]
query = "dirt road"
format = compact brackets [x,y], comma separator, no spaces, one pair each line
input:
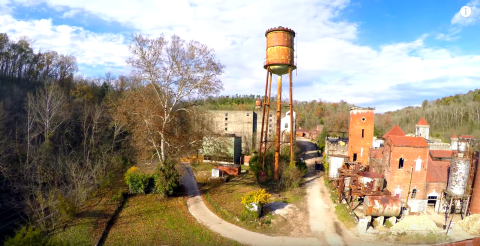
[323,221]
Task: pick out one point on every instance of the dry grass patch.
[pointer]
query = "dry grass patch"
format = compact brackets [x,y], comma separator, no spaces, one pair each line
[152,220]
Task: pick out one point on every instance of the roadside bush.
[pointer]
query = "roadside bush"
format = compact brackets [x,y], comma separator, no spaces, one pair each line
[301,165]
[291,178]
[27,235]
[257,196]
[167,178]
[137,182]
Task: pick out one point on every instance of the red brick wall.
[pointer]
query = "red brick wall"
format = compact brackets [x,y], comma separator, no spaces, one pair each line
[436,187]
[355,141]
[396,176]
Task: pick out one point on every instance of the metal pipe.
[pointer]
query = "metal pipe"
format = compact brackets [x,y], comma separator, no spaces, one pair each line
[263,118]
[279,122]
[268,115]
[291,115]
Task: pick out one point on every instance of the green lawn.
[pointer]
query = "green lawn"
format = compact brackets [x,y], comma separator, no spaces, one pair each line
[152,220]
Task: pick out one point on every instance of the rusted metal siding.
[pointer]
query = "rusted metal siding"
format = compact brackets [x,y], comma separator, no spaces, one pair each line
[387,206]
[370,181]
[280,55]
[475,203]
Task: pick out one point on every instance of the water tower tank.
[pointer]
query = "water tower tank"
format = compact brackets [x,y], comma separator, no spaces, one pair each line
[280,50]
[258,103]
[458,175]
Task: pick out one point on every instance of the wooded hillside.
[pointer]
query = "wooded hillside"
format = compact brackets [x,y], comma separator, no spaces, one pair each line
[458,114]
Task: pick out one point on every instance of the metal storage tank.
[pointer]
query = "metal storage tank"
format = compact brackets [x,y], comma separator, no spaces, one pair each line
[475,202]
[388,206]
[258,103]
[458,175]
[462,147]
[280,50]
[334,165]
[371,181]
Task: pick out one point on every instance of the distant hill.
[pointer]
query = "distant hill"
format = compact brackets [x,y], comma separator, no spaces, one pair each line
[459,114]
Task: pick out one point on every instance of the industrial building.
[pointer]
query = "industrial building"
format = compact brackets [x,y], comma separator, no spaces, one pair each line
[247,125]
[436,172]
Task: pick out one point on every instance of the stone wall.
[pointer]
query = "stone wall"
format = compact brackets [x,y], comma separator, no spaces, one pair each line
[439,146]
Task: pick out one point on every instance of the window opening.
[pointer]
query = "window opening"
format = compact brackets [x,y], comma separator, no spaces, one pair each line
[400,163]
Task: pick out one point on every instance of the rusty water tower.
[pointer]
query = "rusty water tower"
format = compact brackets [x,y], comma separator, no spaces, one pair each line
[280,60]
[258,104]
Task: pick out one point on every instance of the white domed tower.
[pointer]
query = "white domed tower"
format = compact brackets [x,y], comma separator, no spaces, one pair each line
[422,129]
[454,142]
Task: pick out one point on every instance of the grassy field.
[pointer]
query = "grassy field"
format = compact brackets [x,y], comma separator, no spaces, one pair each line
[224,199]
[152,220]
[87,227]
[404,238]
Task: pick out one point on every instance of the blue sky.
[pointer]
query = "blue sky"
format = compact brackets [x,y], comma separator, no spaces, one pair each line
[386,54]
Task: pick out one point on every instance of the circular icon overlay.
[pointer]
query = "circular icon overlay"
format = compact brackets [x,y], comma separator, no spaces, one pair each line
[465,11]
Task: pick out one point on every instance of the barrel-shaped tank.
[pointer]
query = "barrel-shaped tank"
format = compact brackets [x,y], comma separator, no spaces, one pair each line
[458,175]
[370,181]
[334,165]
[280,50]
[258,103]
[388,206]
[475,202]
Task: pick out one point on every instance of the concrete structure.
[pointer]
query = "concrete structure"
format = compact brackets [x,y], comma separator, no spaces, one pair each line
[285,126]
[422,129]
[360,134]
[223,149]
[377,143]
[246,124]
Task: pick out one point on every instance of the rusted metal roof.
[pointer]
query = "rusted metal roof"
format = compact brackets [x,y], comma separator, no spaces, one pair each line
[437,171]
[408,141]
[395,131]
[422,122]
[280,28]
[441,153]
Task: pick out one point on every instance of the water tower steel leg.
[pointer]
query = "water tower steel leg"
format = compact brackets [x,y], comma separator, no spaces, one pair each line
[279,122]
[268,116]
[263,118]
[291,114]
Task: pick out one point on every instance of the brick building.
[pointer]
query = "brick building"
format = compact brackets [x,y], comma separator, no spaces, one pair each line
[360,134]
[400,154]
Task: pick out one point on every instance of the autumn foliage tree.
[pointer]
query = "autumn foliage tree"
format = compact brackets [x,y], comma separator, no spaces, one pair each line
[170,76]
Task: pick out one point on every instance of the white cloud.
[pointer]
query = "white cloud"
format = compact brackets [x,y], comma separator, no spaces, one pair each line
[458,19]
[5,7]
[331,65]
[90,48]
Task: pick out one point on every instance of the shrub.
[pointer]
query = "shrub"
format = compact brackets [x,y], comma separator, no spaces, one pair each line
[27,235]
[137,182]
[291,178]
[258,196]
[166,178]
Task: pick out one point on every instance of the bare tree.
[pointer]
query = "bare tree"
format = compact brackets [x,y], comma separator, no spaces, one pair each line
[176,71]
[46,108]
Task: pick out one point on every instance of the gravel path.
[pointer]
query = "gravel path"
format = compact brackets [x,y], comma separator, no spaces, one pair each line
[199,210]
